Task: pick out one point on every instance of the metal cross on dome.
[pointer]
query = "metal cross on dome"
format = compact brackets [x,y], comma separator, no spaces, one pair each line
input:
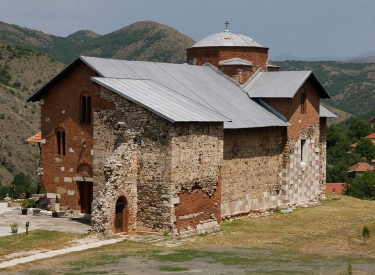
[226,25]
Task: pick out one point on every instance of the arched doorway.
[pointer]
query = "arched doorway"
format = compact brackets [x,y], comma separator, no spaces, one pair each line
[85,187]
[121,215]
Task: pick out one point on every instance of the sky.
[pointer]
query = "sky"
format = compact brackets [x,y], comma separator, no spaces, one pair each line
[302,28]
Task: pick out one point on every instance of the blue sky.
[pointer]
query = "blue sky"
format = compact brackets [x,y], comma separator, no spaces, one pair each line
[303,28]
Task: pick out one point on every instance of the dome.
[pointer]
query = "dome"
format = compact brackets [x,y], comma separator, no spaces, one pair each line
[227,39]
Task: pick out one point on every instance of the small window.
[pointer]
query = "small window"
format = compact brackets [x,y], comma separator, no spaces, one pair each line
[85,109]
[60,139]
[303,101]
[304,151]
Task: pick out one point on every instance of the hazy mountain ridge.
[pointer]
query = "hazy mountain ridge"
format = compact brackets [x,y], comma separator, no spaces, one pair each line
[350,85]
[23,71]
[145,40]
[368,57]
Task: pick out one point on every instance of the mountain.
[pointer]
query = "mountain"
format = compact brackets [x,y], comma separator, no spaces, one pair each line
[29,58]
[22,71]
[350,85]
[367,57]
[145,40]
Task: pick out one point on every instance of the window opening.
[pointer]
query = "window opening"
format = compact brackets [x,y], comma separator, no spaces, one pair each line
[60,138]
[303,102]
[86,109]
[303,151]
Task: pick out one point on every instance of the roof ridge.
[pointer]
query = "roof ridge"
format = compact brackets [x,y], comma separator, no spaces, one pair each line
[255,75]
[222,74]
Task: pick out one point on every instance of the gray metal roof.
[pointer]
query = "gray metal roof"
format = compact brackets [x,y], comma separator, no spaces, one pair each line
[160,100]
[200,84]
[284,84]
[236,61]
[227,39]
[324,112]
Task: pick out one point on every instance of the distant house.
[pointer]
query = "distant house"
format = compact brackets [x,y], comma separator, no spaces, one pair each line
[359,168]
[370,136]
[372,122]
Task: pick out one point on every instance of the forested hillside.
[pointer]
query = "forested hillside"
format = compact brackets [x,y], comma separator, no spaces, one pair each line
[22,71]
[29,58]
[145,40]
[350,85]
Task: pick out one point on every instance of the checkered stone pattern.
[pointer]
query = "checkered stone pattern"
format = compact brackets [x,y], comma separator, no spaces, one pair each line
[301,178]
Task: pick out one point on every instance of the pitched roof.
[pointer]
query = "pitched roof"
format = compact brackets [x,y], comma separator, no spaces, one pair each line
[324,112]
[371,136]
[284,84]
[182,92]
[35,138]
[160,100]
[205,89]
[235,61]
[361,167]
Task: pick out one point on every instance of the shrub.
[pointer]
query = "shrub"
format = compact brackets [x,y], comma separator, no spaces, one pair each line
[365,233]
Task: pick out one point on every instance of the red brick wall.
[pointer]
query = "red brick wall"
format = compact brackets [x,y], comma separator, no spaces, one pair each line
[213,55]
[291,109]
[337,188]
[61,108]
[238,73]
[197,206]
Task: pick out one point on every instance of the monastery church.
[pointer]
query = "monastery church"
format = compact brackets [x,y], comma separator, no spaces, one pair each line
[146,146]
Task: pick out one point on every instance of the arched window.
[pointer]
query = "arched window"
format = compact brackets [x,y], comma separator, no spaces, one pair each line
[303,101]
[60,139]
[85,108]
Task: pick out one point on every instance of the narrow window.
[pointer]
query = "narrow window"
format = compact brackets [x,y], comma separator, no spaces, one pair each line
[85,109]
[60,139]
[88,110]
[303,102]
[303,151]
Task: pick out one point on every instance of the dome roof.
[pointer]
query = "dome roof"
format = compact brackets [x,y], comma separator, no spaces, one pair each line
[227,39]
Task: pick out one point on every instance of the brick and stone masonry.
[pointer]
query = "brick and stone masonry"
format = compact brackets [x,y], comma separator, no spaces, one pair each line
[168,172]
[180,177]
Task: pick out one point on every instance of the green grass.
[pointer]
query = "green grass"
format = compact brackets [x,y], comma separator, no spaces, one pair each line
[168,268]
[36,240]
[317,240]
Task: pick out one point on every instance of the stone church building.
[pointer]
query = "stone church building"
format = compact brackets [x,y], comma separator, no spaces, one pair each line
[145,146]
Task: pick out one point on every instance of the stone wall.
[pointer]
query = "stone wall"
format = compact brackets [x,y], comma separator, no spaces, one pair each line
[157,160]
[323,156]
[195,171]
[253,160]
[300,176]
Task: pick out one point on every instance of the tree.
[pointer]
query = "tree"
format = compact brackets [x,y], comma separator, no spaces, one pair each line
[365,148]
[365,233]
[23,184]
[362,187]
[335,135]
[359,129]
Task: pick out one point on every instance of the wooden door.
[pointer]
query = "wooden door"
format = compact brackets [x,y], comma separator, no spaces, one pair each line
[85,192]
[120,217]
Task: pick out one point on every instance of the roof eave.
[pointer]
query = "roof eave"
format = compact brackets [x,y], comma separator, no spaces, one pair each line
[53,81]
[322,92]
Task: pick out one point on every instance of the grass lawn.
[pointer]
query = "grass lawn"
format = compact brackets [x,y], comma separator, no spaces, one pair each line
[320,240]
[36,240]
